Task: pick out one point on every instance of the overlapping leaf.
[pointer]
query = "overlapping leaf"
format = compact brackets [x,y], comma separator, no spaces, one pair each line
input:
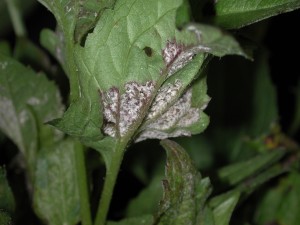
[27,101]
[125,61]
[238,13]
[56,197]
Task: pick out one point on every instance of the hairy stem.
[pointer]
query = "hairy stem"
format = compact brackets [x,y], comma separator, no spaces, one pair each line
[83,187]
[15,17]
[112,171]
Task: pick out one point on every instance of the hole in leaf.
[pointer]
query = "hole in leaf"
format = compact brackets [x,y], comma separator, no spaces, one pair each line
[148,51]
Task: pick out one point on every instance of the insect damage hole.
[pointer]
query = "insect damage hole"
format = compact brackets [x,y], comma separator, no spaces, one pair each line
[148,51]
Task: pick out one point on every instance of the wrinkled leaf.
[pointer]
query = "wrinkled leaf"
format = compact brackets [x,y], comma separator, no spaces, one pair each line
[143,220]
[184,192]
[76,18]
[235,173]
[150,195]
[129,49]
[238,13]
[281,203]
[7,202]
[56,196]
[27,101]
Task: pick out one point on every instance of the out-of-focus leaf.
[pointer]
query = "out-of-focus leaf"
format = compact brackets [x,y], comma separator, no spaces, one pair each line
[56,196]
[281,204]
[184,192]
[183,15]
[295,124]
[238,13]
[29,54]
[147,200]
[27,101]
[5,218]
[143,220]
[223,207]
[235,173]
[234,132]
[5,48]
[7,202]
[24,7]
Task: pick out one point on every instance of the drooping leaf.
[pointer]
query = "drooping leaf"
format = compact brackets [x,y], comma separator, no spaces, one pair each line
[7,202]
[56,196]
[238,13]
[281,204]
[143,220]
[27,101]
[185,193]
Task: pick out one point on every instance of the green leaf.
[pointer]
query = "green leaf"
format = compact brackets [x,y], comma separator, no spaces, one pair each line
[5,48]
[143,220]
[5,218]
[185,193]
[76,18]
[7,202]
[295,124]
[281,203]
[235,173]
[56,196]
[238,13]
[27,101]
[226,203]
[150,195]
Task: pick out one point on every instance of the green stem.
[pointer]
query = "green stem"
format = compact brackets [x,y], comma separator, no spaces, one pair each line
[111,176]
[15,17]
[83,187]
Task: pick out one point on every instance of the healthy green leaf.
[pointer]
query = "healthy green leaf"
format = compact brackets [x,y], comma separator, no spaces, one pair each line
[56,196]
[7,202]
[238,13]
[223,207]
[27,101]
[143,220]
[184,192]
[281,204]
[235,173]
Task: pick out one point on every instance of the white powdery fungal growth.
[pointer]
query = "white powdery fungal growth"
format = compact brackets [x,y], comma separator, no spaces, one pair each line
[173,122]
[163,98]
[176,56]
[120,112]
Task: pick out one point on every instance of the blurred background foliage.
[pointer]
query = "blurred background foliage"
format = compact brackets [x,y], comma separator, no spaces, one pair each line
[254,111]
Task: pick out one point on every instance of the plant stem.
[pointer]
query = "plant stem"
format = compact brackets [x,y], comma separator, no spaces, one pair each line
[15,17]
[112,171]
[83,187]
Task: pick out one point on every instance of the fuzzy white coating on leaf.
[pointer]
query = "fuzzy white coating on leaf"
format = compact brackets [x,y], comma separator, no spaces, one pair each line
[174,121]
[121,111]
[164,97]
